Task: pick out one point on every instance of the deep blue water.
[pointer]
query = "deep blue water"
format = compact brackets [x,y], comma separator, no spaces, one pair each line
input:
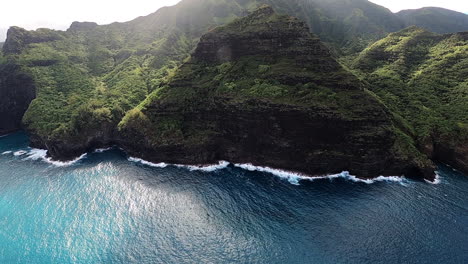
[105,209]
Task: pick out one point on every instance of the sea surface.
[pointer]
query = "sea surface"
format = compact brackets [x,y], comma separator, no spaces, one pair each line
[110,208]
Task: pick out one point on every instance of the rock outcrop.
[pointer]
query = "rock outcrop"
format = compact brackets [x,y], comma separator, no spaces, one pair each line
[264,90]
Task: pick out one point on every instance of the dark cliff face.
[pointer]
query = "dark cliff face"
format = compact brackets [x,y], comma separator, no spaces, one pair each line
[264,90]
[17,90]
[259,59]
[422,77]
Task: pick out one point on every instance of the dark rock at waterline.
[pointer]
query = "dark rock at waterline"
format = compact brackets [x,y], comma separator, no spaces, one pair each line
[197,120]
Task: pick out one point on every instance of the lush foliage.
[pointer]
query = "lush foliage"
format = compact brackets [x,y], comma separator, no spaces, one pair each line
[422,77]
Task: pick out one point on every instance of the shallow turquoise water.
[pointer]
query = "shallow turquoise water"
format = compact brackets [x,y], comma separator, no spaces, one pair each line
[105,209]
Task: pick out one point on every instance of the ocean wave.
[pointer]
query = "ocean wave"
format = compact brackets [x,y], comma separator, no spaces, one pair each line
[292,177]
[101,150]
[437,180]
[147,163]
[20,153]
[295,178]
[41,154]
[206,168]
[7,152]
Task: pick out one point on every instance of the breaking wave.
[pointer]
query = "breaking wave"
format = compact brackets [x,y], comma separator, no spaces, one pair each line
[41,154]
[295,178]
[147,163]
[102,150]
[292,177]
[437,180]
[206,168]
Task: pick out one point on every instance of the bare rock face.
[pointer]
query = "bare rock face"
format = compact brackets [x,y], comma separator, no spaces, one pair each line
[254,92]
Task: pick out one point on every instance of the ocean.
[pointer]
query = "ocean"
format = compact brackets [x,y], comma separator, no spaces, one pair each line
[109,208]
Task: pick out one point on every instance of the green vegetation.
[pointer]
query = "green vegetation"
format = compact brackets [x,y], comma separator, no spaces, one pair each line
[278,79]
[422,77]
[92,78]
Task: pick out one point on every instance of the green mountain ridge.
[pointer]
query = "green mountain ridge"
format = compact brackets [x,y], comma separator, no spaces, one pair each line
[263,90]
[91,79]
[423,77]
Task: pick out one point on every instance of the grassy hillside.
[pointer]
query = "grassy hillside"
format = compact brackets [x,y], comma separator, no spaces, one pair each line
[89,77]
[263,89]
[423,77]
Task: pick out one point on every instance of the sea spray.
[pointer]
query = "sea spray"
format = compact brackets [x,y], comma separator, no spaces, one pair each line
[20,153]
[41,154]
[292,177]
[295,178]
[147,163]
[206,168]
[437,180]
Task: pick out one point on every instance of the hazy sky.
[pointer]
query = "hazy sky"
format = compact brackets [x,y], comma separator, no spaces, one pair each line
[59,14]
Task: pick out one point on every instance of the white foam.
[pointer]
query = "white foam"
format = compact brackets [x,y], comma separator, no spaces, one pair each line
[7,152]
[292,177]
[20,153]
[437,180]
[41,154]
[206,168]
[147,163]
[101,150]
[295,178]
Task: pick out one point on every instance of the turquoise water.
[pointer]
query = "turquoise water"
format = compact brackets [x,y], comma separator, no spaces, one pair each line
[106,209]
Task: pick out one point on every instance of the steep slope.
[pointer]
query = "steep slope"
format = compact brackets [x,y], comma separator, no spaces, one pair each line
[17,91]
[90,75]
[87,78]
[434,19]
[264,90]
[423,77]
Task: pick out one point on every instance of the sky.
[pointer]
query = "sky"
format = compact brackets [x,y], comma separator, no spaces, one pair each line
[59,14]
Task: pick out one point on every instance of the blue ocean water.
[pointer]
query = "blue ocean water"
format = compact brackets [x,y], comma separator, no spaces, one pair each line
[105,209]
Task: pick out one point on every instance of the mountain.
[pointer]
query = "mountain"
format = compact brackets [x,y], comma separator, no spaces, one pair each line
[87,79]
[422,77]
[434,19]
[262,89]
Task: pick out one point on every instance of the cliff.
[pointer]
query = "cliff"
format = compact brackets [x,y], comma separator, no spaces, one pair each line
[262,89]
[17,90]
[88,78]
[423,78]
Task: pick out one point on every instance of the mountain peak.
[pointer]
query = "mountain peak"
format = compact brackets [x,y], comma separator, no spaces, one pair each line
[263,32]
[82,26]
